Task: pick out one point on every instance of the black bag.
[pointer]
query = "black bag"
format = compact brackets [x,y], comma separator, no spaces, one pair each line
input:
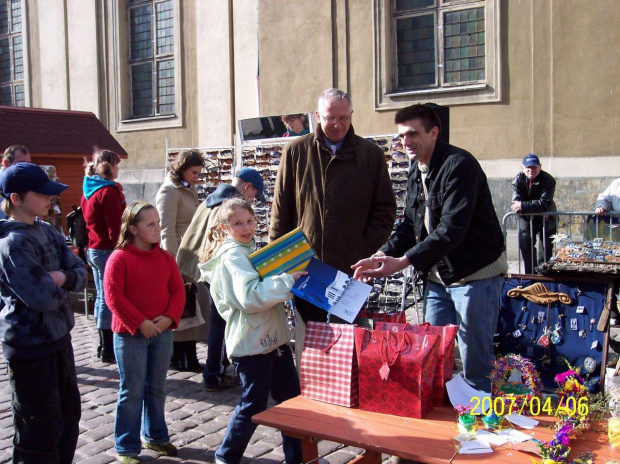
[76,226]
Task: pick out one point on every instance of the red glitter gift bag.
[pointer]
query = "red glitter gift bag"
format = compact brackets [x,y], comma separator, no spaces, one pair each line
[396,371]
[445,357]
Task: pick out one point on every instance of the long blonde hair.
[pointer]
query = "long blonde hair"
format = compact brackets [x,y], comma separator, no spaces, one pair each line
[216,235]
[131,216]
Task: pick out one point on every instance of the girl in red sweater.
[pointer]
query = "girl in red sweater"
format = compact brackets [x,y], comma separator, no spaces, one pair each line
[144,291]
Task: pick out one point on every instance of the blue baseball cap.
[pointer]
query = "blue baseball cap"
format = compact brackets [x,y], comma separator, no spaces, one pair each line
[531,160]
[28,177]
[253,177]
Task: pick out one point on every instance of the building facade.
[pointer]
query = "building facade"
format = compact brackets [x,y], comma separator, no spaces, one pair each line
[519,77]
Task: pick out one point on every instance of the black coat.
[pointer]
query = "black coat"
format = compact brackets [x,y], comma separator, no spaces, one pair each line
[538,198]
[465,234]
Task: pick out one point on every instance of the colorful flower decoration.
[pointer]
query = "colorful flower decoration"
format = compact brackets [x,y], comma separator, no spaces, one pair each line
[556,450]
[521,393]
[570,384]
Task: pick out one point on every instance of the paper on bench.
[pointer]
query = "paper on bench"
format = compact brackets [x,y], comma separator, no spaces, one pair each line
[461,393]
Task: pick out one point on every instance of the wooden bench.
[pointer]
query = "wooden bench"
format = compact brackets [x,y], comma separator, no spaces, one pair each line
[428,440]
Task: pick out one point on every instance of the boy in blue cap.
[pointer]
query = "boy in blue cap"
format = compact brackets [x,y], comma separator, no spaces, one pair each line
[38,272]
[532,192]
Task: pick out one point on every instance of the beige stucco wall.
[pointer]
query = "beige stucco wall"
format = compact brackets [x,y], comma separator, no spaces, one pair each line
[559,64]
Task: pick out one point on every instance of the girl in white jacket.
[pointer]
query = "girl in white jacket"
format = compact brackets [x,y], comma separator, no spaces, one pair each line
[257,333]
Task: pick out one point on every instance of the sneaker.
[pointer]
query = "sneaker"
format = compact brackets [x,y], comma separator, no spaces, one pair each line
[165,449]
[123,459]
[227,382]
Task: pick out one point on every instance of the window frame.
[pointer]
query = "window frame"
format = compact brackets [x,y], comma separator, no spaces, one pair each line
[388,97]
[11,35]
[122,76]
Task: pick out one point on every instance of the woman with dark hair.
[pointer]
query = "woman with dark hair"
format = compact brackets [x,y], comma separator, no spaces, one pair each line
[103,203]
[177,201]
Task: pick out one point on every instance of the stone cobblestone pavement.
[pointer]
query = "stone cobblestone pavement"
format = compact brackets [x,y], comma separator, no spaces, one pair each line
[196,419]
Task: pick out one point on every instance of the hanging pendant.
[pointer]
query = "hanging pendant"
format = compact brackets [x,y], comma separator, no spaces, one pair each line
[556,337]
[544,340]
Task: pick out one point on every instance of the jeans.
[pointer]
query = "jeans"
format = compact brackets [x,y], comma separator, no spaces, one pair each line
[260,375]
[217,361]
[142,365]
[474,306]
[97,260]
[46,408]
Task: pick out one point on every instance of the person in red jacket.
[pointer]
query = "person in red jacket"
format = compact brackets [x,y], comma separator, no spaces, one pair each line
[102,206]
[145,306]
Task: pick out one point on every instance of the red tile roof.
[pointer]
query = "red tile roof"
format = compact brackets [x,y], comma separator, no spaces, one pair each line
[54,131]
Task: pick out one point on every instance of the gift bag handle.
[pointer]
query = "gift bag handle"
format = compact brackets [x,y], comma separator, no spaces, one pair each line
[397,349]
[332,343]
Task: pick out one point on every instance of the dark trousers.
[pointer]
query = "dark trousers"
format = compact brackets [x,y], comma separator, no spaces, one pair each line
[541,252]
[261,375]
[46,408]
[217,360]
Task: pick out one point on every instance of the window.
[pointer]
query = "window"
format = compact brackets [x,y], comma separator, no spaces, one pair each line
[151,58]
[445,51]
[11,54]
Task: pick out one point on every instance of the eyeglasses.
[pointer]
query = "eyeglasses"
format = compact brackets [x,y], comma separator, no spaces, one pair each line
[341,119]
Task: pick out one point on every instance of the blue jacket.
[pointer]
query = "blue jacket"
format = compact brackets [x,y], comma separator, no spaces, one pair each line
[37,315]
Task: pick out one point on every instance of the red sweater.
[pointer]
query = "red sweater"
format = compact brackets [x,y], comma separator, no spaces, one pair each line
[102,212]
[140,285]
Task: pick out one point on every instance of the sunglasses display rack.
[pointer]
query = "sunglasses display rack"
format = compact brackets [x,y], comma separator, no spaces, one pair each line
[265,158]
[404,288]
[219,167]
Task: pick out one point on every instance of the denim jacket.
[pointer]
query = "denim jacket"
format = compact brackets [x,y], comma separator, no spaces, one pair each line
[464,234]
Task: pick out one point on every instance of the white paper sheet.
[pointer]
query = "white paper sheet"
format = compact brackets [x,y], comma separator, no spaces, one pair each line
[475,447]
[522,421]
[351,300]
[514,436]
[491,438]
[463,394]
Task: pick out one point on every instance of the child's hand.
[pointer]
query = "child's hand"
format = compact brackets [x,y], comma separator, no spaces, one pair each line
[163,322]
[297,275]
[58,277]
[148,329]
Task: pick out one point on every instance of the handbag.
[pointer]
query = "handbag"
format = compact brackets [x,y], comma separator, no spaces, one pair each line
[445,357]
[329,369]
[396,371]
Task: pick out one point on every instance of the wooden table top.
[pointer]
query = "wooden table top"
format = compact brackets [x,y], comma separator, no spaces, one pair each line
[428,440]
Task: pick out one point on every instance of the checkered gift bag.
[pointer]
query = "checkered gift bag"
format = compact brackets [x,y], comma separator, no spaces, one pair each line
[328,364]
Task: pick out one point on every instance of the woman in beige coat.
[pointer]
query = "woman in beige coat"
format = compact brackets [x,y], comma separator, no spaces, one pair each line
[177,202]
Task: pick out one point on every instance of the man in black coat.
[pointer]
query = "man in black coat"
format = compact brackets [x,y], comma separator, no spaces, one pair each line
[532,192]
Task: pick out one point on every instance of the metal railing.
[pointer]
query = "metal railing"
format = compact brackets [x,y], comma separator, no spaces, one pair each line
[573,225]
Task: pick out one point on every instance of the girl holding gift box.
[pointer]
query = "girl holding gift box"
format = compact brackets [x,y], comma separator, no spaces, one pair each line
[257,333]
[145,306]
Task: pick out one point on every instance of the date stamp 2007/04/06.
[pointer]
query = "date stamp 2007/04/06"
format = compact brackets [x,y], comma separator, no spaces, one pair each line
[534,405]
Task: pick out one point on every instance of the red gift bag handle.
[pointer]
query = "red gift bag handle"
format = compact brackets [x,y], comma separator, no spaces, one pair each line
[396,350]
[332,343]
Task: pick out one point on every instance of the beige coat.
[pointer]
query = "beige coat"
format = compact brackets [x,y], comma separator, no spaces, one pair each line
[176,205]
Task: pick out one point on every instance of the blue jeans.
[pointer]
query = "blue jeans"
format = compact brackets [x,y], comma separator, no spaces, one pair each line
[217,361]
[46,408]
[260,375]
[97,260]
[474,306]
[142,365]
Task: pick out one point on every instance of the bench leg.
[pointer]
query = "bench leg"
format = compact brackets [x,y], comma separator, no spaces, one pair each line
[309,449]
[369,457]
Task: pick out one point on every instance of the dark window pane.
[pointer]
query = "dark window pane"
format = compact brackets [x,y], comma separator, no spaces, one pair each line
[20,96]
[165,87]
[141,32]
[5,95]
[164,27]
[412,4]
[16,15]
[18,58]
[416,46]
[466,46]
[142,90]
[4,18]
[5,61]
